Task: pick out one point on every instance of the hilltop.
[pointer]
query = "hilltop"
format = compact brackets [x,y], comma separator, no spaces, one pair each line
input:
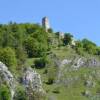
[40,64]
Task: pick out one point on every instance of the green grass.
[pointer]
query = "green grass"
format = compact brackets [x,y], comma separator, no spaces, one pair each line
[72,91]
[64,52]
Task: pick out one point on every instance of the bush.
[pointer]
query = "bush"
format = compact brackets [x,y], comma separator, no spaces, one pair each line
[89,46]
[20,94]
[56,90]
[8,57]
[40,63]
[67,39]
[98,51]
[80,51]
[4,93]
[50,30]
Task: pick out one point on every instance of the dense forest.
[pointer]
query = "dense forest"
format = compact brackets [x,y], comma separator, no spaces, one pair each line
[19,41]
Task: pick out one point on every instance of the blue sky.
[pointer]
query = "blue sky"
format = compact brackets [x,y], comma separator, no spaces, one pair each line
[79,17]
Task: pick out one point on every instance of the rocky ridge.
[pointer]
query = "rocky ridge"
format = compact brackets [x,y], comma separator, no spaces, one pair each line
[30,77]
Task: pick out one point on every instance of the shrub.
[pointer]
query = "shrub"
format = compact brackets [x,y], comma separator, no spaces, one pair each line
[20,94]
[56,90]
[80,51]
[67,38]
[4,93]
[40,63]
[8,57]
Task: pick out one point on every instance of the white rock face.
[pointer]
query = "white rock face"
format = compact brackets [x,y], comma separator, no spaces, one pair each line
[32,78]
[61,68]
[65,61]
[78,63]
[8,77]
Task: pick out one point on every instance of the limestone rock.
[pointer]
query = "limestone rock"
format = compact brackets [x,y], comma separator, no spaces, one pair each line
[87,93]
[89,83]
[7,76]
[33,79]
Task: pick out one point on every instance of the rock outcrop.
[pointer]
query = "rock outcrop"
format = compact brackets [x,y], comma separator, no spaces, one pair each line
[8,78]
[32,79]
[69,65]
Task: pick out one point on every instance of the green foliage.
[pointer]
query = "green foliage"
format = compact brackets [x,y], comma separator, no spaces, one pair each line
[28,40]
[4,93]
[8,57]
[32,47]
[80,51]
[20,94]
[98,51]
[19,41]
[50,30]
[59,38]
[79,44]
[51,75]
[56,89]
[79,48]
[67,39]
[29,35]
[40,63]
[57,35]
[36,44]
[89,46]
[21,56]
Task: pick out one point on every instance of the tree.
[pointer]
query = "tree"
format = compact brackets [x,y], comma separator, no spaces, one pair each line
[98,51]
[89,46]
[36,44]
[32,47]
[51,75]
[67,39]
[8,57]
[21,55]
[50,30]
[79,47]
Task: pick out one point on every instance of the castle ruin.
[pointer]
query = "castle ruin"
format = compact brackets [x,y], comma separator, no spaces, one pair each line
[45,23]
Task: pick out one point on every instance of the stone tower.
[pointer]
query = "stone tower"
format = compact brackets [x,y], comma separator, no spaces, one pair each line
[45,23]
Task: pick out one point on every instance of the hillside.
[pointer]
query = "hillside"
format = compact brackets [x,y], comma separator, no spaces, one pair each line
[39,64]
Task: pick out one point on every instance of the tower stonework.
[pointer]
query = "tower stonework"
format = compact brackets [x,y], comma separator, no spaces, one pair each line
[45,23]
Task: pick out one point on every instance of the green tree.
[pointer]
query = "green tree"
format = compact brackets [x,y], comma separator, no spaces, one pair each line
[21,55]
[8,57]
[32,47]
[67,39]
[36,44]
[98,50]
[50,30]
[89,46]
